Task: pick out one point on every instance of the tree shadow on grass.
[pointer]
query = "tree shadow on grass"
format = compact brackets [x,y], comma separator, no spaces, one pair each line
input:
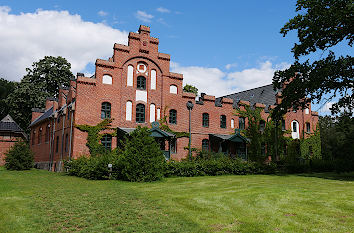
[347,176]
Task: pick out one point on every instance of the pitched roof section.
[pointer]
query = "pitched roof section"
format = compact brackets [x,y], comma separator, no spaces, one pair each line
[9,125]
[42,117]
[265,95]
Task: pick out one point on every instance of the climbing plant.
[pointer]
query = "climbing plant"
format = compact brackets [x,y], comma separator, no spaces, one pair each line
[164,126]
[311,147]
[94,137]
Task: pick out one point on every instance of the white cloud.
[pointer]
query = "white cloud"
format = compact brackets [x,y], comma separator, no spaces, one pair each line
[102,13]
[143,16]
[232,65]
[163,10]
[28,37]
[326,107]
[213,81]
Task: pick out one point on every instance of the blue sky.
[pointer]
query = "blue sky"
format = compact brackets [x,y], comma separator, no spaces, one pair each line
[233,45]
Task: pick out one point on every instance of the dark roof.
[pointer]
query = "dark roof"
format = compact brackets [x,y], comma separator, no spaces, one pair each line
[9,125]
[42,117]
[164,133]
[265,95]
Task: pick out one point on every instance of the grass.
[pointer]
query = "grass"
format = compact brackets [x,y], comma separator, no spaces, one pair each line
[40,201]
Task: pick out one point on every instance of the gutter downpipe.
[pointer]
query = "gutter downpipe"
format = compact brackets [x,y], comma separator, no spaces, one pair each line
[71,132]
[53,137]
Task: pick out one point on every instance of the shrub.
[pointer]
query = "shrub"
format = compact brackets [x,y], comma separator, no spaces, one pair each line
[142,159]
[19,157]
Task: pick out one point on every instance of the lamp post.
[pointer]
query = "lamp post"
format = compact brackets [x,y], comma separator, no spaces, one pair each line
[190,107]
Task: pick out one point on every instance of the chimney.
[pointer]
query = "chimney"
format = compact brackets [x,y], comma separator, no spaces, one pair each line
[36,112]
[51,102]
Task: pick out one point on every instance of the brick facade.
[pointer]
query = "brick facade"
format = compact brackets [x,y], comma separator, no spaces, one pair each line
[81,103]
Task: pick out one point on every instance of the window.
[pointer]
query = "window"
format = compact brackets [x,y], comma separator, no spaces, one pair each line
[283,124]
[153,79]
[152,112]
[232,123]
[39,135]
[107,142]
[33,137]
[105,110]
[173,89]
[205,120]
[107,79]
[294,126]
[130,75]
[66,142]
[223,121]
[173,116]
[57,145]
[173,147]
[308,127]
[128,111]
[140,113]
[261,125]
[205,145]
[68,114]
[47,132]
[141,83]
[241,123]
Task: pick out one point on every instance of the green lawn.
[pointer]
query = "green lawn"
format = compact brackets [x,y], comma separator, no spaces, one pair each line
[40,201]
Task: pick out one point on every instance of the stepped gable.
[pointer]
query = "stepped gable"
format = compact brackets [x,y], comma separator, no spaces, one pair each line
[265,95]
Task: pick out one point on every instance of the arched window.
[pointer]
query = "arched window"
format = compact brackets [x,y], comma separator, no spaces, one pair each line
[152,112]
[232,123]
[153,79]
[105,110]
[128,111]
[241,123]
[141,83]
[107,142]
[223,121]
[205,145]
[57,145]
[140,113]
[173,116]
[205,119]
[283,124]
[130,75]
[107,79]
[173,89]
[295,134]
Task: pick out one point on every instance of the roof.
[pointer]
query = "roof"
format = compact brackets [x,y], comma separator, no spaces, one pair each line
[42,117]
[7,124]
[265,95]
[233,137]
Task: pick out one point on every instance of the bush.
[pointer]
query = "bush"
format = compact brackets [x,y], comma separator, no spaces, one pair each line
[93,168]
[19,157]
[142,159]
[213,167]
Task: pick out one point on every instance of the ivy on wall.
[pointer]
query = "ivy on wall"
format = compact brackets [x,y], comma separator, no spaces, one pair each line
[311,146]
[164,126]
[94,137]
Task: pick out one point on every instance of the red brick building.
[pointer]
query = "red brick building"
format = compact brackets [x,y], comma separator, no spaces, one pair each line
[10,133]
[135,87]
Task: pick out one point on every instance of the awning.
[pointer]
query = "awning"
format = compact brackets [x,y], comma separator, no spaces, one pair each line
[155,132]
[232,138]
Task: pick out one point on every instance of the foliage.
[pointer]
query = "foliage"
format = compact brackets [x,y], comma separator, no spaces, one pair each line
[94,137]
[320,25]
[191,89]
[6,88]
[337,137]
[41,81]
[214,166]
[274,139]
[164,126]
[93,168]
[142,159]
[252,132]
[311,147]
[19,157]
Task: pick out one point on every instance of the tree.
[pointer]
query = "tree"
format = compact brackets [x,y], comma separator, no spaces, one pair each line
[320,25]
[19,157]
[41,81]
[6,88]
[191,89]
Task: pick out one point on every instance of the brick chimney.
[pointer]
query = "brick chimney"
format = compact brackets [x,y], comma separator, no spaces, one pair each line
[51,102]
